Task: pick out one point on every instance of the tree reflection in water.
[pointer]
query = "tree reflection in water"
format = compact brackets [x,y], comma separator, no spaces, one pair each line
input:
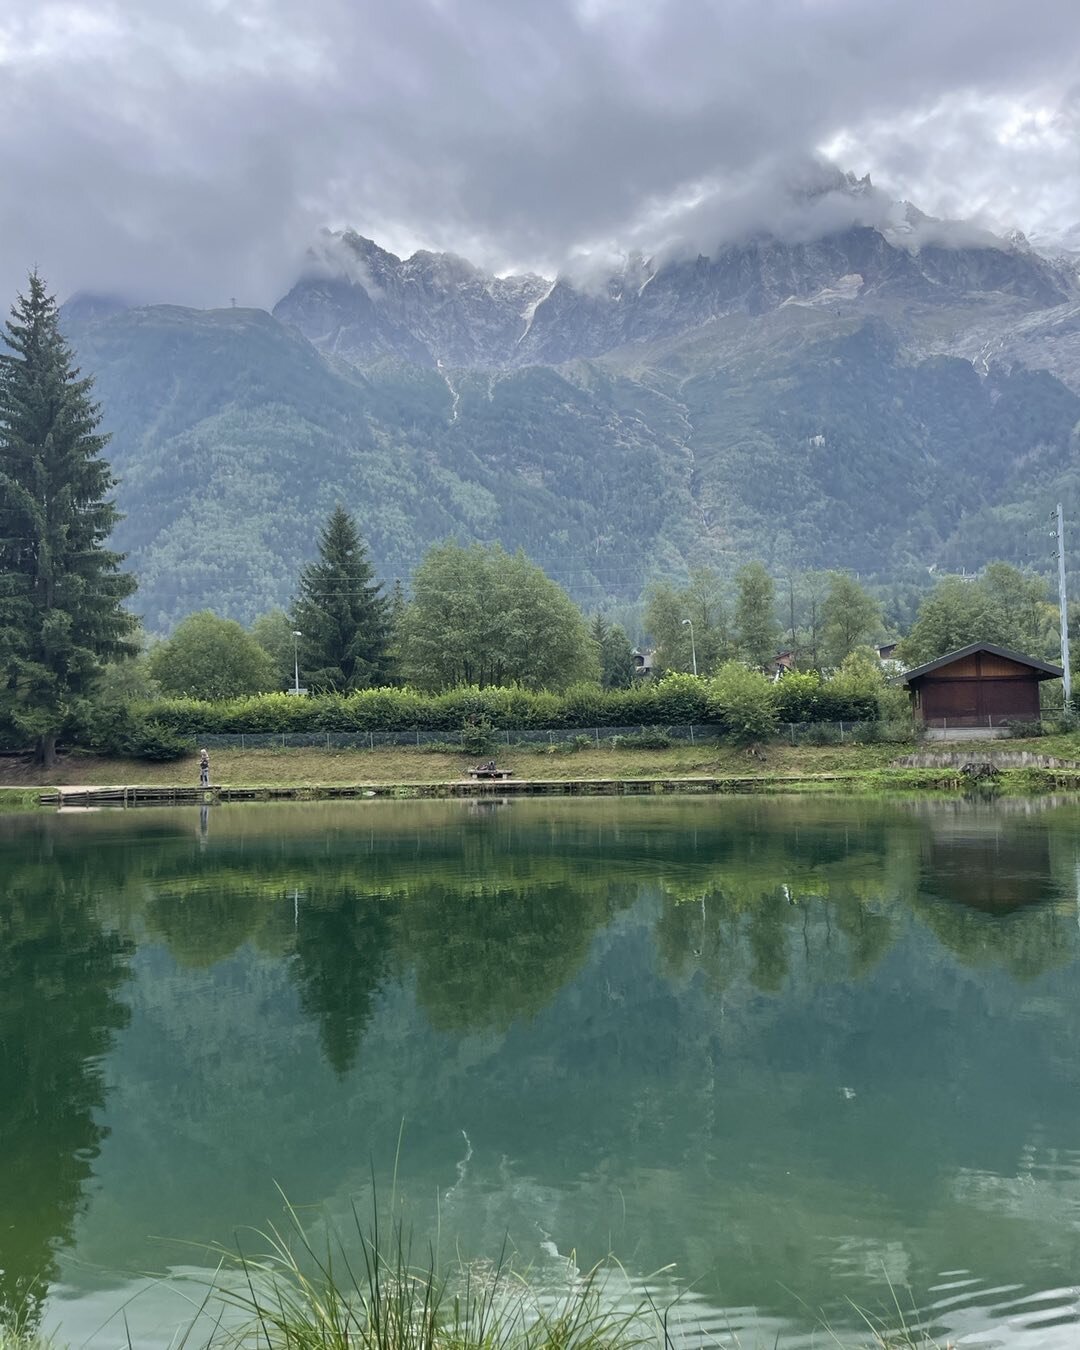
[622,944]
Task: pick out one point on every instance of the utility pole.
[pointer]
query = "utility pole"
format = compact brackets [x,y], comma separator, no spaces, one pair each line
[1063,603]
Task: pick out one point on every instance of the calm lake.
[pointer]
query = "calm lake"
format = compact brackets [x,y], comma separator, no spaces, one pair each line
[809,1052]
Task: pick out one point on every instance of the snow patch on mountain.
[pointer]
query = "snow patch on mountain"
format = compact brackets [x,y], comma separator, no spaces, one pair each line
[846,288]
[838,241]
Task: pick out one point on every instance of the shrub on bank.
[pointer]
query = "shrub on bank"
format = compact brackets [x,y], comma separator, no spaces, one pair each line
[736,701]
[683,700]
[799,697]
[743,702]
[580,707]
[116,727]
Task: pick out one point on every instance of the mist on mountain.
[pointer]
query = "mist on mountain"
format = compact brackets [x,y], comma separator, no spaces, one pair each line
[887,398]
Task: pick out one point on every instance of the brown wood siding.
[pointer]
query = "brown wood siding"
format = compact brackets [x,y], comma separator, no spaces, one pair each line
[991,665]
[966,669]
[979,665]
[974,701]
[954,699]
[1009,698]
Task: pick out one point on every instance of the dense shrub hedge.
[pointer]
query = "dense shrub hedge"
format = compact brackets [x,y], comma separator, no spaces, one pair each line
[676,701]
[741,702]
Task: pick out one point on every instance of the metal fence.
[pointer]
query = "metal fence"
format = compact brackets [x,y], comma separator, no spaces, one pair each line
[798,733]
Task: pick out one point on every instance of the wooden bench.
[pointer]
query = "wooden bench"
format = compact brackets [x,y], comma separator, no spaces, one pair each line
[491,773]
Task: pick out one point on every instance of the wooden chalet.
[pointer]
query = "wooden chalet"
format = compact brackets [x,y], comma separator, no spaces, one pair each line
[979,686]
[779,666]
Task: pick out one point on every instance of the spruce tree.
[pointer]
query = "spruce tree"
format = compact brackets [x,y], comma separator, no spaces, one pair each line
[61,589]
[341,613]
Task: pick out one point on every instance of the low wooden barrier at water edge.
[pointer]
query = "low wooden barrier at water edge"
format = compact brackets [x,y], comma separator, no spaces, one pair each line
[157,795]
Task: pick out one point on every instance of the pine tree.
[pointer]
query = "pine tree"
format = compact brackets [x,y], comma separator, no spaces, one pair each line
[341,613]
[61,589]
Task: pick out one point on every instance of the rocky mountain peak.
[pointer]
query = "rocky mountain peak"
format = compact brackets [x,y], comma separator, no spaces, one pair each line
[85,306]
[437,309]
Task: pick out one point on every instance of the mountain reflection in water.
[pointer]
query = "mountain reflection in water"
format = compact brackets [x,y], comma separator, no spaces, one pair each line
[805,1049]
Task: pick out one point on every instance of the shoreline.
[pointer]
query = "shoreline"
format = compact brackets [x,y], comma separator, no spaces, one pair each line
[1013,783]
[704,769]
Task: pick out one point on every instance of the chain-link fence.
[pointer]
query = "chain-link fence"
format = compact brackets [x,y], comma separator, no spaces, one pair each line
[466,741]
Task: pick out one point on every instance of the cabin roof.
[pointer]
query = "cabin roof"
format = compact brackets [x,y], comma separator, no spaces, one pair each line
[1044,669]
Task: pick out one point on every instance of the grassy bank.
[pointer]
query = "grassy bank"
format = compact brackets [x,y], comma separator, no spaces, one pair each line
[408,764]
[17,799]
[869,767]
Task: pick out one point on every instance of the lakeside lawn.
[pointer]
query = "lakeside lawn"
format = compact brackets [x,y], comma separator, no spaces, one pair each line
[407,764]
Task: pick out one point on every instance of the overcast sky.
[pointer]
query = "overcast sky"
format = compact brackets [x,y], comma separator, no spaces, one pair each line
[188,150]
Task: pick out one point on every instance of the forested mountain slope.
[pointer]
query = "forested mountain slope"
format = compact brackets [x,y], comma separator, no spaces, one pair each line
[847,403]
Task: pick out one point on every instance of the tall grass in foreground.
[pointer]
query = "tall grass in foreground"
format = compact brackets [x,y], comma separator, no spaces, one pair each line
[374,1296]
[300,1297]
[18,1331]
[14,1339]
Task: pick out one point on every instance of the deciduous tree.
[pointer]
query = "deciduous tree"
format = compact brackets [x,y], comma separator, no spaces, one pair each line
[615,653]
[755,614]
[850,617]
[704,603]
[1024,600]
[482,616]
[1002,606]
[211,657]
[273,632]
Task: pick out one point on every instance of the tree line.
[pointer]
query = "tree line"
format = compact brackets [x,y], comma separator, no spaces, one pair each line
[475,615]
[479,616]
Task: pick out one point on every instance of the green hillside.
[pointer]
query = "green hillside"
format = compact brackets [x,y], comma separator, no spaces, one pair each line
[804,437]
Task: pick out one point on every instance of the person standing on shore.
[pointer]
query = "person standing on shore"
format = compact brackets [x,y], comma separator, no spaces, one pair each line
[204,768]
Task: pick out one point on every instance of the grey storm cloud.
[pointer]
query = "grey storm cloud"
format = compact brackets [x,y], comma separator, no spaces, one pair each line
[190,150]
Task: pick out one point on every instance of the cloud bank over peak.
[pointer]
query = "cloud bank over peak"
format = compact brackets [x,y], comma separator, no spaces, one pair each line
[193,152]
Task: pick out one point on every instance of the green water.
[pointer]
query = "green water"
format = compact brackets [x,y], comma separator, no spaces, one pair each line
[807,1051]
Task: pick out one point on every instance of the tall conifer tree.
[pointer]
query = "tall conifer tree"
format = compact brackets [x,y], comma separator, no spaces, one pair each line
[341,613]
[61,589]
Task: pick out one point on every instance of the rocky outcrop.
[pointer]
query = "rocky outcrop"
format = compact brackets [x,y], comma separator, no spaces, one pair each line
[362,303]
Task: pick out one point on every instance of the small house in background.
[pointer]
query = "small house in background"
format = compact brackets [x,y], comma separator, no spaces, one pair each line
[779,666]
[977,690]
[890,662]
[644,663]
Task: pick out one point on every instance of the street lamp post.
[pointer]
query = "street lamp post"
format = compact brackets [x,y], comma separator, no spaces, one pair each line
[296,660]
[687,623]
